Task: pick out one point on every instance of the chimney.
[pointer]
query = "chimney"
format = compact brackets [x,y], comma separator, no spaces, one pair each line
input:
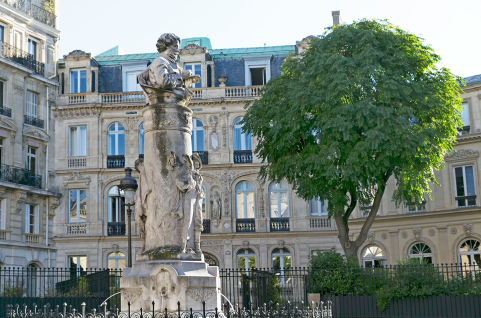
[336,18]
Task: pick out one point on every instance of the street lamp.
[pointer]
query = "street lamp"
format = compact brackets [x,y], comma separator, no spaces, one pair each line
[129,185]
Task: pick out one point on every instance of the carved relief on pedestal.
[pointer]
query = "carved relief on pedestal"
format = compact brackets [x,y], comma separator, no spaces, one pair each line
[201,294]
[131,294]
[174,117]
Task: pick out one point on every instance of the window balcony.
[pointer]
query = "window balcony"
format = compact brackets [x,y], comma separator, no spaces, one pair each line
[204,156]
[34,121]
[242,156]
[116,228]
[38,13]
[33,238]
[115,161]
[20,176]
[280,225]
[206,225]
[21,57]
[5,111]
[245,225]
[319,223]
[75,229]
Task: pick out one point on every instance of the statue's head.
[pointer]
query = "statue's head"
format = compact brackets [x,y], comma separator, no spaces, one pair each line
[168,43]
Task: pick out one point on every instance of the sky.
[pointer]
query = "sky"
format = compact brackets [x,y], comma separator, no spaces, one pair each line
[94,26]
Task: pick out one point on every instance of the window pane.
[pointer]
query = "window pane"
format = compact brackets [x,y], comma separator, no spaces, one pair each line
[241,263]
[121,146]
[252,262]
[74,80]
[111,263]
[240,206]
[283,205]
[83,81]
[274,205]
[459,181]
[200,140]
[111,147]
[82,141]
[237,139]
[141,143]
[469,180]
[276,262]
[73,205]
[250,205]
[73,142]
[113,209]
[465,114]
[83,205]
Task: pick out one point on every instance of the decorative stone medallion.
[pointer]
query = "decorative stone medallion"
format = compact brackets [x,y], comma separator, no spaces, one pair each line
[201,294]
[404,234]
[453,230]
[431,232]
[131,294]
[384,236]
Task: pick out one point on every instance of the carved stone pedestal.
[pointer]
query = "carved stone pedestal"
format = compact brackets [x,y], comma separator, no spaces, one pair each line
[187,282]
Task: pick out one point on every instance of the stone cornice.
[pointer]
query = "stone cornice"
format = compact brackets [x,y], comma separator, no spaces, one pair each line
[466,139]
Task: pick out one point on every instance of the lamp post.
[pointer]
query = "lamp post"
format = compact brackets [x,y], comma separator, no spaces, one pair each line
[129,185]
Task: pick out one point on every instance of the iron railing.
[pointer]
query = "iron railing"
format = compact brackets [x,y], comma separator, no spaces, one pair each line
[5,111]
[116,228]
[34,121]
[280,225]
[204,156]
[21,57]
[242,156]
[20,176]
[33,10]
[206,226]
[245,225]
[115,161]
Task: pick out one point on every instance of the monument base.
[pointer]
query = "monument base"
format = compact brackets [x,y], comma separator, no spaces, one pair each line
[167,282]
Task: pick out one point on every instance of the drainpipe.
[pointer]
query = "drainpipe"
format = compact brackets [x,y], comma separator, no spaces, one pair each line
[46,183]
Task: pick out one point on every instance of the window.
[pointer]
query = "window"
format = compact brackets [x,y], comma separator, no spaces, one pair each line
[17,40]
[210,259]
[422,252]
[31,219]
[470,254]
[281,263]
[131,82]
[278,200]
[77,206]
[3,213]
[32,104]
[197,135]
[245,201]
[116,261]
[116,205]
[372,256]
[317,207]
[465,130]
[257,69]
[78,265]
[242,141]
[246,260]
[33,48]
[465,193]
[2,90]
[196,70]
[78,81]
[116,140]
[77,145]
[1,151]
[141,139]
[258,75]
[413,207]
[2,33]
[31,159]
[31,280]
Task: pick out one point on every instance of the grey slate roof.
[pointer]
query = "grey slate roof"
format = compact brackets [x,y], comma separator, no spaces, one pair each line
[470,80]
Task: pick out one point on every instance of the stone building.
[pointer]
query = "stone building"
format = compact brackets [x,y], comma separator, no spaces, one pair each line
[98,125]
[28,84]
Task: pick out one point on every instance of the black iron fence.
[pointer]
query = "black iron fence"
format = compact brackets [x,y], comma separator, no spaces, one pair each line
[242,156]
[116,228]
[245,225]
[204,156]
[279,225]
[5,111]
[34,121]
[21,57]
[20,176]
[38,13]
[115,161]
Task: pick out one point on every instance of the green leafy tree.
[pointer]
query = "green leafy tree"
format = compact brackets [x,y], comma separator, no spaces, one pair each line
[364,103]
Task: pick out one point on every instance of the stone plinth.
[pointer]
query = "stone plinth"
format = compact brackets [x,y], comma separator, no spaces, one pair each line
[189,282]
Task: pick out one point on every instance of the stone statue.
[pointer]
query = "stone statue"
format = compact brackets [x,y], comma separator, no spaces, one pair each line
[216,206]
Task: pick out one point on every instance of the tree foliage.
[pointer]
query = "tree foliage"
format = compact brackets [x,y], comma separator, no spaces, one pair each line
[364,103]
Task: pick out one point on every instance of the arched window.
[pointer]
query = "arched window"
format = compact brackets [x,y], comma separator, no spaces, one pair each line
[141,139]
[242,141]
[197,135]
[211,259]
[246,259]
[32,280]
[317,207]
[278,200]
[470,252]
[244,201]
[281,263]
[116,140]
[373,256]
[116,210]
[422,252]
[116,261]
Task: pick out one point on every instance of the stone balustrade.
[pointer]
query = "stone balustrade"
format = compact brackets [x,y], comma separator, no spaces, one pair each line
[33,238]
[75,229]
[316,223]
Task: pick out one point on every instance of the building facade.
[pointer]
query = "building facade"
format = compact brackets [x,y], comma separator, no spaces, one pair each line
[247,223]
[28,85]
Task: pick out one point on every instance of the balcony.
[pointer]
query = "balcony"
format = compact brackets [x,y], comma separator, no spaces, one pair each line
[34,121]
[116,228]
[77,162]
[36,12]
[206,225]
[317,223]
[115,161]
[75,229]
[242,156]
[5,111]
[21,57]
[245,225]
[280,225]
[204,156]
[20,176]
[33,238]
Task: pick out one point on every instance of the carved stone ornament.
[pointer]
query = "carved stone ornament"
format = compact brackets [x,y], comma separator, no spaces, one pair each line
[245,244]
[281,243]
[431,232]
[131,294]
[417,232]
[8,124]
[468,228]
[404,234]
[193,48]
[201,294]
[36,134]
[76,177]
[370,237]
[462,154]
[384,236]
[453,230]
[20,197]
[77,55]
[172,161]
[115,246]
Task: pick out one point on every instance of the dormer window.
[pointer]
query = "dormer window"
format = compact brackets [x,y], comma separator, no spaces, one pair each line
[78,81]
[257,69]
[131,82]
[196,70]
[258,75]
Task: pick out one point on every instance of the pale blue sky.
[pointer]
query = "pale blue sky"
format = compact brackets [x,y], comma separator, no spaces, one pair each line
[450,27]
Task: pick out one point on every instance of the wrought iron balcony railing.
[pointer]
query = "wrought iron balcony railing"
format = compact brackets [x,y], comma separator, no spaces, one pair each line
[115,161]
[206,225]
[204,156]
[246,225]
[36,12]
[116,228]
[20,176]
[21,57]
[5,111]
[242,156]
[280,225]
[34,121]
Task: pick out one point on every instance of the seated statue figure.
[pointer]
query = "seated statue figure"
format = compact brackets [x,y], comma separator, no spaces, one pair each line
[163,81]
